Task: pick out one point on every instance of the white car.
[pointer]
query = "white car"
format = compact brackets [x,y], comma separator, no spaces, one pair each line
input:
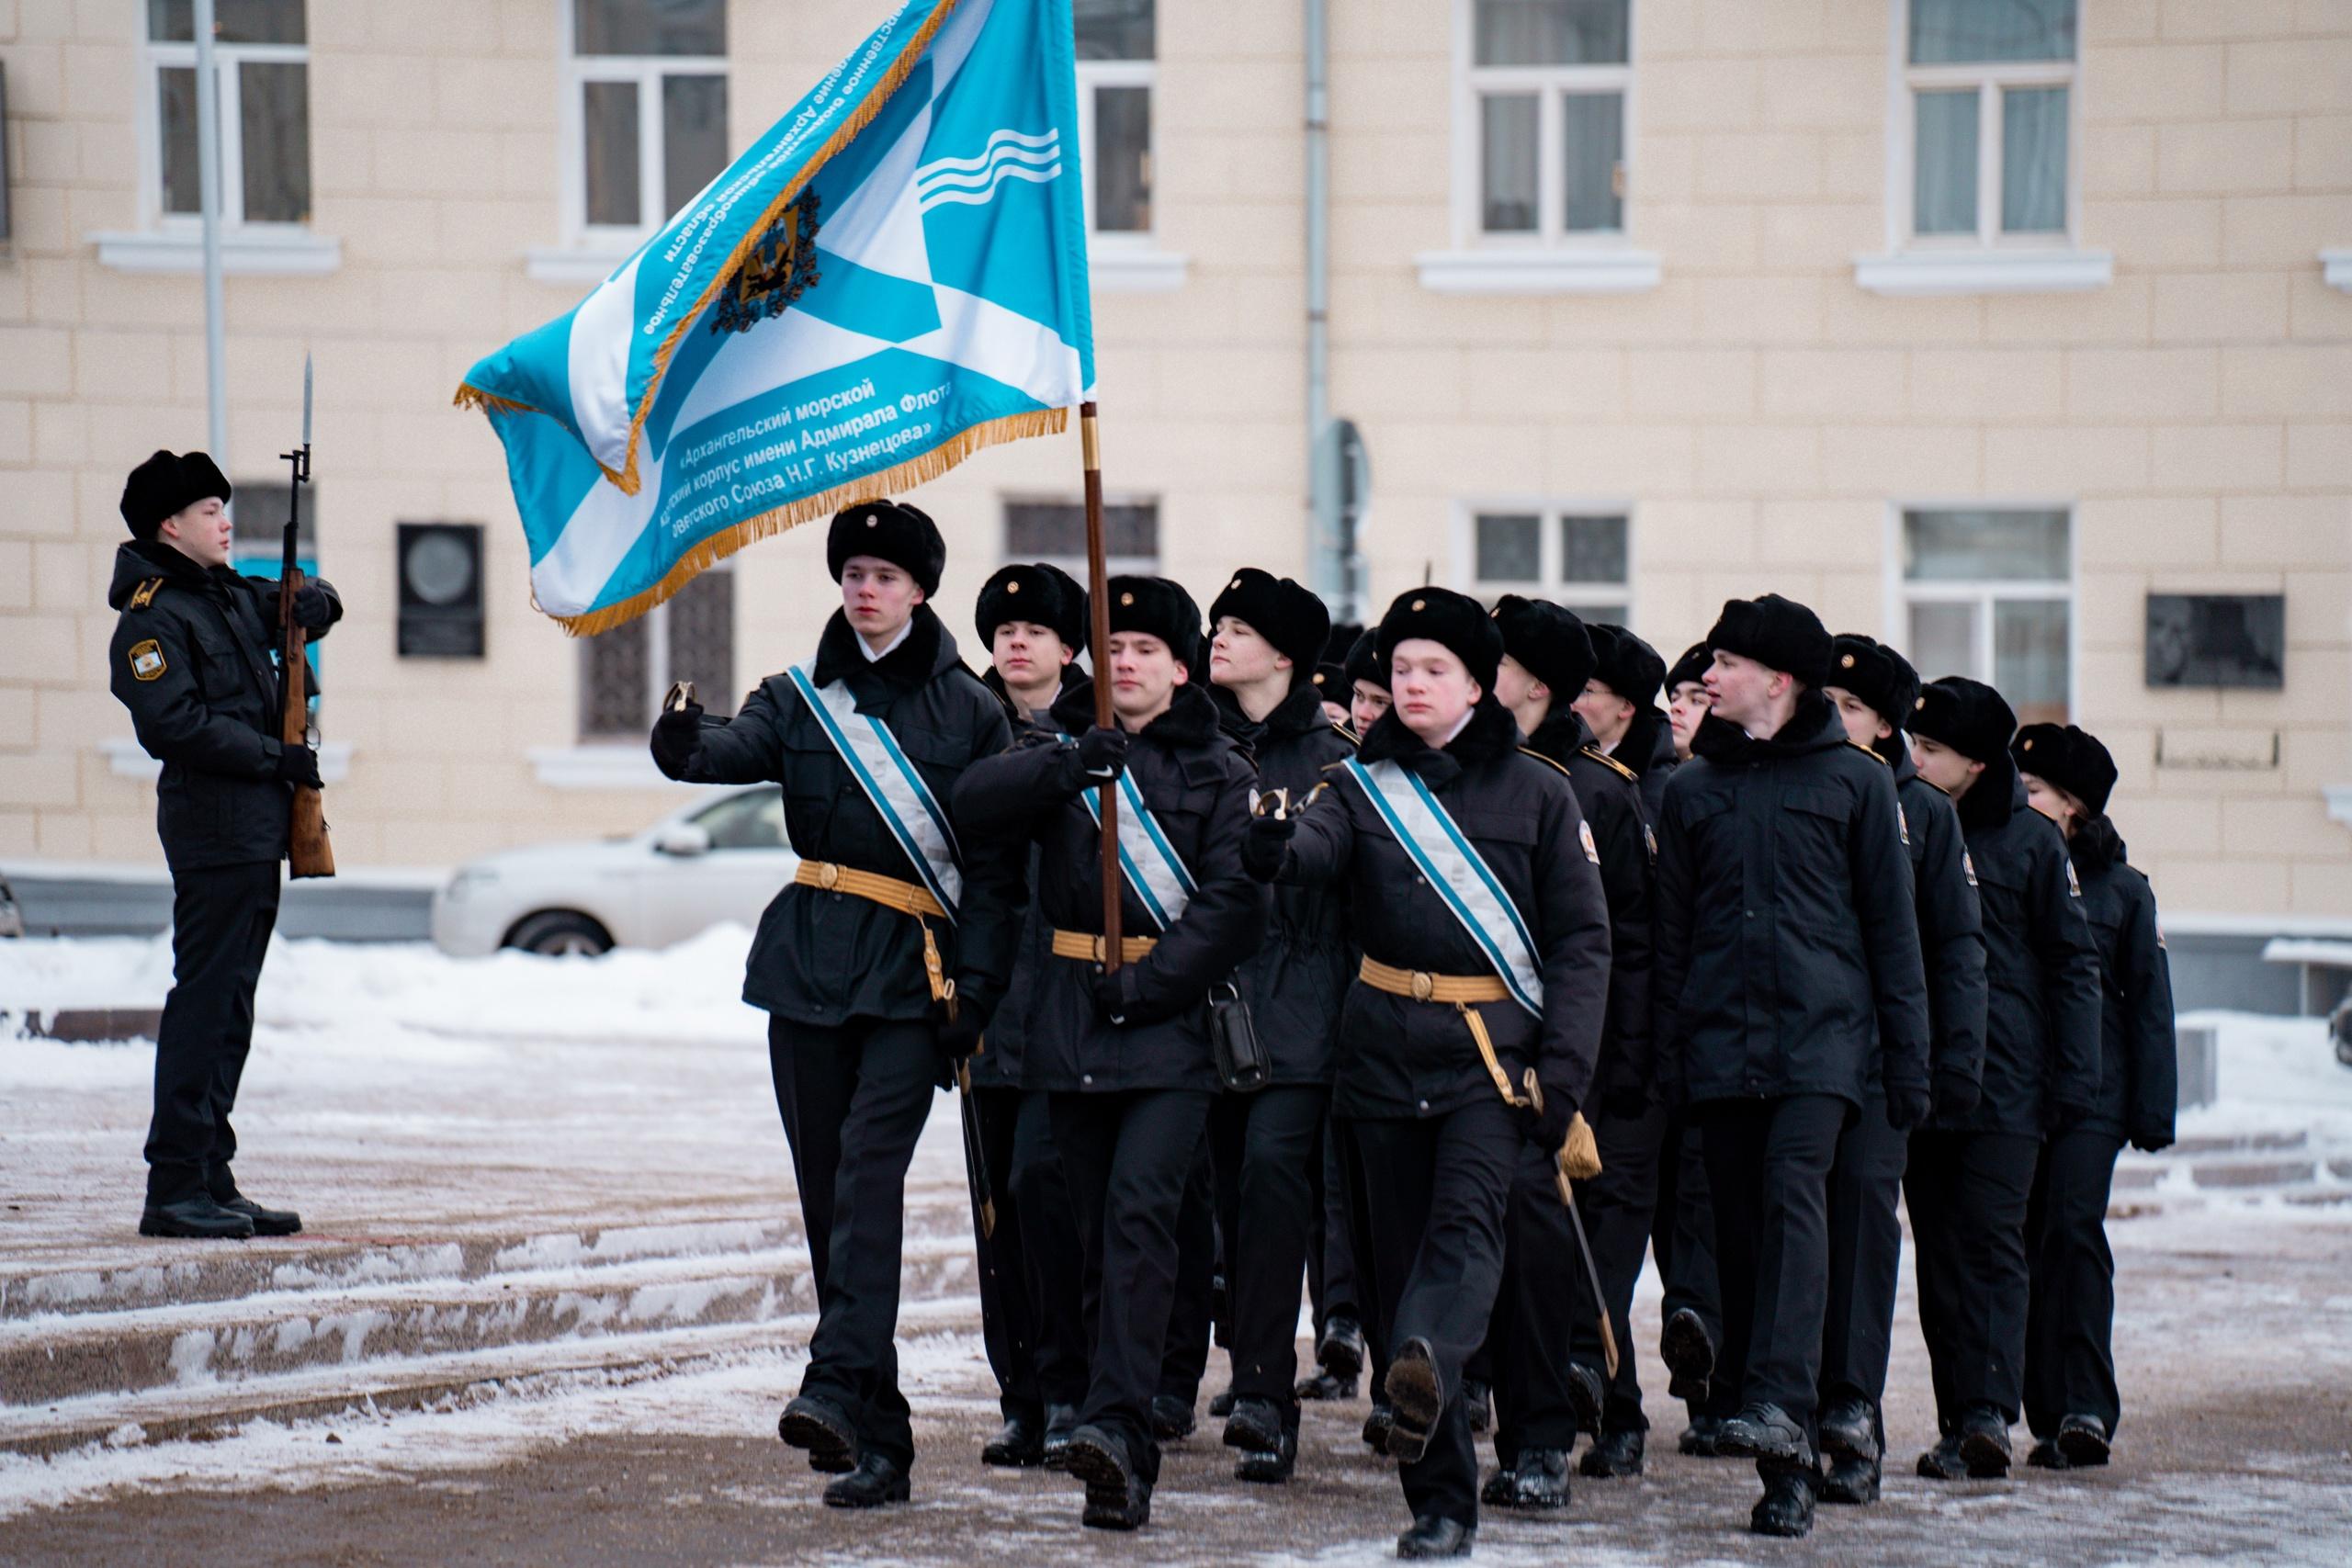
[715,859]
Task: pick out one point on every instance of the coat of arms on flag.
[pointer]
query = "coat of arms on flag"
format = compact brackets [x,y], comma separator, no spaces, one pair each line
[890,278]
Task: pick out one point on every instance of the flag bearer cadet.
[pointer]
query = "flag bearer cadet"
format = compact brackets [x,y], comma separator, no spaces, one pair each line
[1126,1055]
[879,959]
[1473,1024]
[1789,980]
[1874,688]
[1970,1180]
[1268,1143]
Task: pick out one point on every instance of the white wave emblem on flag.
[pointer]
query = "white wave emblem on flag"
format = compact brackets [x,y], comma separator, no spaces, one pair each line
[972,182]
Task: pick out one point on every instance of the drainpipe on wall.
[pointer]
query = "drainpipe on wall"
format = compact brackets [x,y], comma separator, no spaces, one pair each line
[1328,568]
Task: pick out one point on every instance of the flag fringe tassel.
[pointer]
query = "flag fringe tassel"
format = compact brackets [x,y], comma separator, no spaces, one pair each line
[916,470]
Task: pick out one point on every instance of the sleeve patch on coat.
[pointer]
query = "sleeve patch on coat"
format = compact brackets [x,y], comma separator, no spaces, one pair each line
[1591,850]
[1903,825]
[2073,883]
[147,660]
[1968,865]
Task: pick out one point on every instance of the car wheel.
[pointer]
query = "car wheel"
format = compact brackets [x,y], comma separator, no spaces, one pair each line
[557,933]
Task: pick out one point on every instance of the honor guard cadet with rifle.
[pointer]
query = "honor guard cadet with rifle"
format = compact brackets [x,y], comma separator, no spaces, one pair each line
[1788,982]
[886,951]
[1472,1027]
[1682,1226]
[1034,620]
[2071,1400]
[190,659]
[1874,688]
[1267,1141]
[1125,1051]
[1970,1180]
[1551,1371]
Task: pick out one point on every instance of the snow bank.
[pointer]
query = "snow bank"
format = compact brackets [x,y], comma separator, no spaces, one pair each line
[2277,1075]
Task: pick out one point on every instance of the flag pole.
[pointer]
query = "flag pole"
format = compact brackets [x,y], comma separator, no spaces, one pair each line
[1098,584]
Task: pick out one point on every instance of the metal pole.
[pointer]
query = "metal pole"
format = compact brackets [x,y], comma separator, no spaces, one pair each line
[208,173]
[1327,569]
[1098,584]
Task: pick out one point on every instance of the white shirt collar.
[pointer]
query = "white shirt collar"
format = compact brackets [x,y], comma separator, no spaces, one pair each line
[874,655]
[1460,725]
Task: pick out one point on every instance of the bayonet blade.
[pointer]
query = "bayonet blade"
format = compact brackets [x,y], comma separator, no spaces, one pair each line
[306,400]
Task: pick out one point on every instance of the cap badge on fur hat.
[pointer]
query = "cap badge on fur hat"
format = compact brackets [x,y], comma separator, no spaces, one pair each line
[1420,603]
[1846,661]
[1013,587]
[2027,744]
[1128,599]
[1234,583]
[1919,703]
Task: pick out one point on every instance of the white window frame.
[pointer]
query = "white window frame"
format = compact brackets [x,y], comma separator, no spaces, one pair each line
[1902,592]
[1551,584]
[227,60]
[1988,261]
[1095,73]
[656,655]
[646,71]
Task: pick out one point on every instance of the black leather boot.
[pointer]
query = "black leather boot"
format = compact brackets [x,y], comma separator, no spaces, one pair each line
[1433,1536]
[1326,1385]
[1584,1397]
[874,1481]
[1221,1403]
[1540,1482]
[1698,1437]
[1018,1444]
[1763,1431]
[1061,1420]
[822,1428]
[1341,1350]
[1378,1425]
[1943,1463]
[1850,1430]
[1415,1398]
[1786,1508]
[1116,1498]
[197,1218]
[2082,1439]
[1614,1454]
[1688,1355]
[1270,1465]
[1482,1407]
[1172,1418]
[1496,1493]
[1850,1481]
[1984,1443]
[1253,1423]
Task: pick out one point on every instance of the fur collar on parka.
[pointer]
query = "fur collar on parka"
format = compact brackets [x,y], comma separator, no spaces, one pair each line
[1191,718]
[1491,733]
[927,651]
[1813,727]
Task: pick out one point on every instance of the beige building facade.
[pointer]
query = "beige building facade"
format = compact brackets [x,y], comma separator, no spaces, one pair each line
[2007,332]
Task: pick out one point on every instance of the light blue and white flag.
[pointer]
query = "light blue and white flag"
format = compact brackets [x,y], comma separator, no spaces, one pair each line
[890,278]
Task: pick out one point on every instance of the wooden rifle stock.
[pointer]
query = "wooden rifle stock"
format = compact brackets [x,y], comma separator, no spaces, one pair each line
[308,851]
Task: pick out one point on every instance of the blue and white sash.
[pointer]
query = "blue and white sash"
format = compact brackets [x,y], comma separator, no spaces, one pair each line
[1443,852]
[1159,877]
[907,806]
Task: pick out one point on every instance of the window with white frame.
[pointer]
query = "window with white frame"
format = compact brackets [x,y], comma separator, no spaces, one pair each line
[1574,555]
[624,672]
[1116,49]
[1989,593]
[1542,118]
[1055,532]
[261,60]
[644,113]
[1988,87]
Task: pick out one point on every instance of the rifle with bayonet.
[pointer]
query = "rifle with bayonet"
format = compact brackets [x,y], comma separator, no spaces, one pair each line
[308,852]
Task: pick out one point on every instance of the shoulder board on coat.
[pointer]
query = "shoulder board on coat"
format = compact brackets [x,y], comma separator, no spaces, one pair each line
[1344,733]
[1559,768]
[1598,755]
[144,594]
[1868,751]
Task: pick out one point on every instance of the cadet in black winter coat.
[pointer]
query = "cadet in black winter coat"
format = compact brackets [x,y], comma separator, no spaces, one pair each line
[1874,689]
[1440,1073]
[1790,986]
[1620,705]
[1034,620]
[1126,1055]
[2072,1403]
[190,659]
[851,959]
[1551,1366]
[1266,1145]
[1970,1180]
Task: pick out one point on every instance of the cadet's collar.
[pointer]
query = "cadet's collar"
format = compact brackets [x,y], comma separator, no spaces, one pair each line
[1489,732]
[1191,718]
[909,662]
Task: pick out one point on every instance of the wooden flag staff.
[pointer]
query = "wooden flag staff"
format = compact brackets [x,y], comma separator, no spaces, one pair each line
[1098,587]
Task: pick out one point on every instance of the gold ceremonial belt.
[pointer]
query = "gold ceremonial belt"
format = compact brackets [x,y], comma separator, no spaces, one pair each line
[1455,989]
[1089,949]
[906,898]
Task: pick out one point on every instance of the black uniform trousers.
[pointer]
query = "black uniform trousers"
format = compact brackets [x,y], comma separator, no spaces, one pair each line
[1054,1259]
[1009,1322]
[1354,1215]
[1191,1316]
[1768,1173]
[1264,1146]
[854,1099]
[1128,1157]
[1332,1288]
[1529,1341]
[222,918]
[1865,1258]
[1436,1190]
[2070,1315]
[1617,1207]
[1968,1194]
[1682,1239]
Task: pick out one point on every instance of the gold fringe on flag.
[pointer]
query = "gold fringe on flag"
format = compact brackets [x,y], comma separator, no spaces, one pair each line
[919,470]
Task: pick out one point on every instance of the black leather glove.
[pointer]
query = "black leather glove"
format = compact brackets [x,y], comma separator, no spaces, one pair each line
[1907,1106]
[676,734]
[2151,1140]
[299,765]
[1957,1094]
[1112,998]
[1265,843]
[1549,1129]
[960,1035]
[1100,756]
[313,611]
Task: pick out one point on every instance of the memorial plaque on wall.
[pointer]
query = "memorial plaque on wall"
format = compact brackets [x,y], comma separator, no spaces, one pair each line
[441,590]
[2217,640]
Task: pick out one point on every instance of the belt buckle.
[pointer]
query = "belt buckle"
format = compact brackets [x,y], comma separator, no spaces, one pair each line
[1424,986]
[829,875]
[1102,949]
